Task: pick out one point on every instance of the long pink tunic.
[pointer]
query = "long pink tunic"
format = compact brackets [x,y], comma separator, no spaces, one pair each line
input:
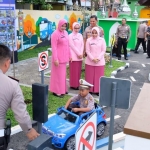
[60,53]
[95,49]
[76,48]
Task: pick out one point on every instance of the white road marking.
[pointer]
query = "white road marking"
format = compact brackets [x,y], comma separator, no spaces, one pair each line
[133,61]
[143,65]
[115,117]
[132,78]
[136,71]
[112,76]
[118,148]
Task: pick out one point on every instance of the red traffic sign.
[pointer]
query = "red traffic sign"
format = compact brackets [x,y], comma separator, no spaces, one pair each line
[43,60]
[86,134]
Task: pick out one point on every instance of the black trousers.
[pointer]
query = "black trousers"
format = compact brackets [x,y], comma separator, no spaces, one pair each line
[148,48]
[122,42]
[139,41]
[3,145]
[74,1]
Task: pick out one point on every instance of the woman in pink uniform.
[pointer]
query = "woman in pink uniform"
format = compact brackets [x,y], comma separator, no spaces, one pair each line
[95,61]
[76,48]
[60,57]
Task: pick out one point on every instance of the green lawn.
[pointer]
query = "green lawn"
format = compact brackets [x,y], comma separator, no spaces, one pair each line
[108,70]
[26,54]
[53,103]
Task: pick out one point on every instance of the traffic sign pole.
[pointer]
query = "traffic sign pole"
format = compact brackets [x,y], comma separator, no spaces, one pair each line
[43,64]
[111,58]
[112,113]
[39,125]
[42,76]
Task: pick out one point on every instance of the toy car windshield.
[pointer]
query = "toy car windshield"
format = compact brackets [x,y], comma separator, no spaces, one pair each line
[67,116]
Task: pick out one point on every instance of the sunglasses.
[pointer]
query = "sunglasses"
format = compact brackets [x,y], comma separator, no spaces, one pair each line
[76,28]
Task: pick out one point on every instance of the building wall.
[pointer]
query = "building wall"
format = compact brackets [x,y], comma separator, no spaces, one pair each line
[39,25]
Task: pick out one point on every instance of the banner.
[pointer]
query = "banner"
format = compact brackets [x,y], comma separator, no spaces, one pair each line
[7,23]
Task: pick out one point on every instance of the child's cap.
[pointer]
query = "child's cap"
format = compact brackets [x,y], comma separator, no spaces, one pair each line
[84,84]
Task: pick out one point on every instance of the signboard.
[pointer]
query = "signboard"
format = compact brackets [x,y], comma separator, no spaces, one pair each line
[85,137]
[43,60]
[123,92]
[7,24]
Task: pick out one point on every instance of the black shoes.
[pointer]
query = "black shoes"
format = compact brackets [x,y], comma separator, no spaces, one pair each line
[94,93]
[97,94]
[144,52]
[119,58]
[136,52]
[147,57]
[74,88]
[126,58]
[57,95]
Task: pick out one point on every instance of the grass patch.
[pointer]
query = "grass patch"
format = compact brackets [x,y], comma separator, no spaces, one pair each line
[53,103]
[26,54]
[108,70]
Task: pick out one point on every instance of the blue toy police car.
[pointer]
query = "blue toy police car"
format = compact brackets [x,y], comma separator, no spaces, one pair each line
[63,125]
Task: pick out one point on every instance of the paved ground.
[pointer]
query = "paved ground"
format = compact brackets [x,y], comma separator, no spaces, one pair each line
[27,73]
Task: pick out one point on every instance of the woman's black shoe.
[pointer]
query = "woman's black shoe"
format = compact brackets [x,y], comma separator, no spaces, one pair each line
[74,88]
[97,94]
[61,96]
[66,92]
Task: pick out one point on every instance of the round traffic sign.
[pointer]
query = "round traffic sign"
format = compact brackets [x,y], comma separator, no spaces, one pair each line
[87,138]
[43,60]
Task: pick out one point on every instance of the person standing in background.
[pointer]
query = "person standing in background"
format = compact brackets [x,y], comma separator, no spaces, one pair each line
[148,42]
[76,48]
[60,57]
[88,31]
[95,61]
[122,37]
[141,36]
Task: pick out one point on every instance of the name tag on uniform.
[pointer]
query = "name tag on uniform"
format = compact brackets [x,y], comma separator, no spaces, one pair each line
[92,44]
[62,36]
[1,132]
[75,39]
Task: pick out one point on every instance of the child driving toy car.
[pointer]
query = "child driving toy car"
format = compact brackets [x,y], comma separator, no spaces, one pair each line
[85,99]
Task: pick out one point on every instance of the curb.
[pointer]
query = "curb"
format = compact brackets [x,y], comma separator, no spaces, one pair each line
[119,69]
[149,77]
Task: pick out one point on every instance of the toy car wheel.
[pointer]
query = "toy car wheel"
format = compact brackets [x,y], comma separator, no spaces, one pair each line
[70,144]
[100,129]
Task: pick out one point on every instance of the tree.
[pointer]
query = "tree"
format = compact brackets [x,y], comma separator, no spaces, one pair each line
[42,5]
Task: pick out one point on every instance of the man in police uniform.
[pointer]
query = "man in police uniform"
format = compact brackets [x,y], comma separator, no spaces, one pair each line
[85,99]
[122,38]
[87,33]
[11,97]
[141,36]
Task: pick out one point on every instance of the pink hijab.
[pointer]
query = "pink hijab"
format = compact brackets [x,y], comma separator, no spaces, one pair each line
[97,29]
[61,22]
[74,24]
